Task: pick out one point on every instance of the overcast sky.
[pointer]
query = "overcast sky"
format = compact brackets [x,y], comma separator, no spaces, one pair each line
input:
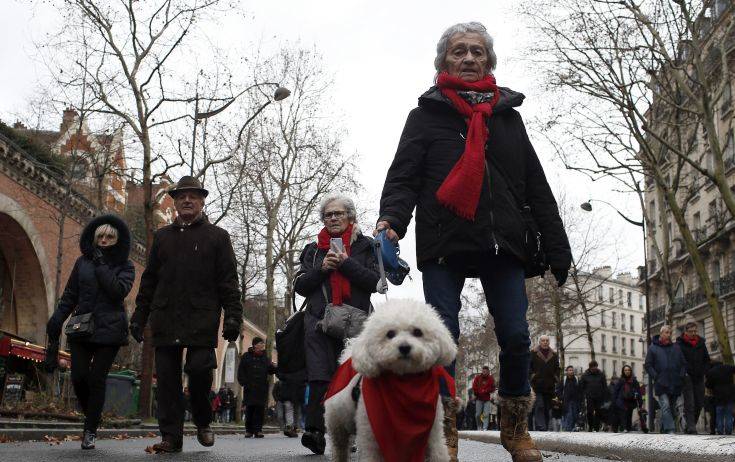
[381,55]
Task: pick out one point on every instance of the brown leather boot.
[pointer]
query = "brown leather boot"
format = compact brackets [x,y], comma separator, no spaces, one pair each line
[450,426]
[514,435]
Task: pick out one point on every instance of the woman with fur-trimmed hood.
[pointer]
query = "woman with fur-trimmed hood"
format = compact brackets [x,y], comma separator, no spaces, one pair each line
[99,282]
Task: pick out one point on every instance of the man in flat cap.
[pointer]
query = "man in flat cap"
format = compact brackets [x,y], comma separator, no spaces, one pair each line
[190,277]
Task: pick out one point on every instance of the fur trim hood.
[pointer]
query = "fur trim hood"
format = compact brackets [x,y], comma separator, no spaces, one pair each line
[119,252]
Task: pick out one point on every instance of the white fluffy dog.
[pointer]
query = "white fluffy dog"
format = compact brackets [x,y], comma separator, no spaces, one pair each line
[402,337]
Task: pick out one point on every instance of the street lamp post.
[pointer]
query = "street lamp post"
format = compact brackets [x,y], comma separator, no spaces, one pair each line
[587,207]
[280,94]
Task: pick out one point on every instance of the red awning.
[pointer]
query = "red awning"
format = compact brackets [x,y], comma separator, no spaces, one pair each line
[28,350]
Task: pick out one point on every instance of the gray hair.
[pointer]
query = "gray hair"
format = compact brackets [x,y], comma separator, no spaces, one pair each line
[464,28]
[665,326]
[343,200]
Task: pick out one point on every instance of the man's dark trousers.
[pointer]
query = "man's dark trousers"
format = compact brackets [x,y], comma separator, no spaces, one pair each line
[254,415]
[199,364]
[503,281]
[693,393]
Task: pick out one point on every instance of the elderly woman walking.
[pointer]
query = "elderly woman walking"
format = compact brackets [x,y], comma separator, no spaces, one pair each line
[346,273]
[666,365]
[99,282]
[465,162]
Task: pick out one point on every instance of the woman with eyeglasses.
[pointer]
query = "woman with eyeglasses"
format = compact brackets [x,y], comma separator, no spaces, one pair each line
[99,282]
[344,271]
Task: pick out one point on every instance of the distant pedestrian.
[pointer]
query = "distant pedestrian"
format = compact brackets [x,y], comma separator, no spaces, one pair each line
[216,404]
[721,380]
[252,374]
[666,366]
[626,398]
[233,404]
[224,410]
[594,386]
[544,376]
[190,279]
[470,420]
[608,407]
[483,385]
[98,284]
[570,394]
[696,356]
[289,398]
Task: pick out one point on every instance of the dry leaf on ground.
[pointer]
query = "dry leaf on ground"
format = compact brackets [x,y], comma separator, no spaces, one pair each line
[6,439]
[151,435]
[51,440]
[121,436]
[72,438]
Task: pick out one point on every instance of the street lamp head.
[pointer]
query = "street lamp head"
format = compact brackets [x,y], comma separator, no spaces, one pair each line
[281,93]
[586,206]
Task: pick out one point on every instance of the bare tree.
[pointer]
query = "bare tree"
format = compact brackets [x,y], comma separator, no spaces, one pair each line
[648,78]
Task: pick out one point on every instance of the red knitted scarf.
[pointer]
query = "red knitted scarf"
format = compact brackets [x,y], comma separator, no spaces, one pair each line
[401,408]
[690,340]
[338,282]
[460,191]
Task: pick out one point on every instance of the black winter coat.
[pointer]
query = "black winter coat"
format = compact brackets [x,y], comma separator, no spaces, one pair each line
[544,372]
[721,380]
[630,399]
[665,364]
[360,268]
[292,387]
[696,357]
[569,391]
[432,141]
[252,374]
[594,384]
[190,277]
[99,288]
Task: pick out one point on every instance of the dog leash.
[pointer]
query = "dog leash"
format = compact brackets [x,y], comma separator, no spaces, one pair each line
[382,287]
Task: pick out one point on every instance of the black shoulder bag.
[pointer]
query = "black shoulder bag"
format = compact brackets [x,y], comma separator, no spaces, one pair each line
[536,264]
[80,326]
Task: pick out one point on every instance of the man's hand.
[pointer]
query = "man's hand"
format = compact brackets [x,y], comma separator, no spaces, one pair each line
[331,262]
[136,331]
[560,275]
[384,225]
[231,330]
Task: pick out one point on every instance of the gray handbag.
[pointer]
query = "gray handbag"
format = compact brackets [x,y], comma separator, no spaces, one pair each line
[341,321]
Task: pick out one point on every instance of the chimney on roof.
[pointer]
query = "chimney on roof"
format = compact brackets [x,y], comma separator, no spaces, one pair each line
[68,118]
[19,126]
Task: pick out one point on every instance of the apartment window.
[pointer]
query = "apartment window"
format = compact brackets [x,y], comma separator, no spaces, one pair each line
[726,98]
[611,295]
[632,347]
[640,302]
[614,343]
[632,323]
[620,297]
[614,319]
[622,321]
[728,154]
[604,366]
[600,294]
[603,319]
[643,324]
[603,344]
[615,367]
[623,347]
[630,299]
[632,367]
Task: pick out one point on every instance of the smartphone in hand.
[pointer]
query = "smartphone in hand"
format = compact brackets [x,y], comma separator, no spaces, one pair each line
[336,245]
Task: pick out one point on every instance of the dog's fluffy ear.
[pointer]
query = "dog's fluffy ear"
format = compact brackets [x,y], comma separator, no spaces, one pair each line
[362,360]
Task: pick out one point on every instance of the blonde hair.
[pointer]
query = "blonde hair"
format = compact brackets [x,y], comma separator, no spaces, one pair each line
[105,229]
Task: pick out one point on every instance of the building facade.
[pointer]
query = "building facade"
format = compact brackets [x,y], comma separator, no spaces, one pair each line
[616,314]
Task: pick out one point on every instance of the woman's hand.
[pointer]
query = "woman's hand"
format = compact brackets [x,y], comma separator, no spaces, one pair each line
[384,225]
[331,262]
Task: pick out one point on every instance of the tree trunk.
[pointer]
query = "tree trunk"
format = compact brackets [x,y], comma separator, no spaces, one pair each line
[147,356]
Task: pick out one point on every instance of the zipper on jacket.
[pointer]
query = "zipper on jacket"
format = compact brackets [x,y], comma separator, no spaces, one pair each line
[492,216]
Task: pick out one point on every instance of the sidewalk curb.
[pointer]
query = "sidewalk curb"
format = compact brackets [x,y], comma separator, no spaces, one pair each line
[38,434]
[627,446]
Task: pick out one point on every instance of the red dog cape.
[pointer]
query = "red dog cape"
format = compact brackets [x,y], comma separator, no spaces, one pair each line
[401,408]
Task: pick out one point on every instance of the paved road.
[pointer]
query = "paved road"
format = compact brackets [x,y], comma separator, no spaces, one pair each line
[272,448]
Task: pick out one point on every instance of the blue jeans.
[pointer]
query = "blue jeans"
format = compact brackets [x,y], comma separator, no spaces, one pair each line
[504,284]
[482,407]
[667,403]
[723,418]
[569,419]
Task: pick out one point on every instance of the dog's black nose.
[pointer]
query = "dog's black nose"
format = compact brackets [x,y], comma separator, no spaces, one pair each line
[404,349]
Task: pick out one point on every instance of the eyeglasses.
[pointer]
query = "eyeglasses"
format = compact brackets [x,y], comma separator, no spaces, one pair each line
[339,214]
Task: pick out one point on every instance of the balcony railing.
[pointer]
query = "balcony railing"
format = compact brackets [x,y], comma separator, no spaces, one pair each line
[722,286]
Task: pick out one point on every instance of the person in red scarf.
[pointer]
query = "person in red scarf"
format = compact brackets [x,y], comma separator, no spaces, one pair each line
[626,399]
[348,276]
[483,385]
[697,360]
[465,163]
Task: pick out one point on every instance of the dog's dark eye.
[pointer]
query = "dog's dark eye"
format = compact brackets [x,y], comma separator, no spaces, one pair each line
[417,332]
[390,334]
